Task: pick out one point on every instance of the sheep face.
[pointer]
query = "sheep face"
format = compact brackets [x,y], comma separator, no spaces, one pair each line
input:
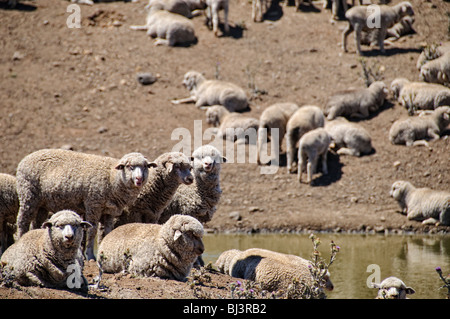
[134,167]
[192,80]
[398,192]
[406,9]
[393,288]
[187,234]
[207,159]
[179,164]
[397,85]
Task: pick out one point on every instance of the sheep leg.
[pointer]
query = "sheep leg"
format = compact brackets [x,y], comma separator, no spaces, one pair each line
[381,37]
[349,29]
[418,143]
[289,152]
[91,234]
[262,140]
[191,99]
[324,163]
[225,19]
[430,221]
[215,19]
[159,41]
[358,30]
[105,226]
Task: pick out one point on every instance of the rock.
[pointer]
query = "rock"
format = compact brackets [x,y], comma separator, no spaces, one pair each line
[146,78]
[235,216]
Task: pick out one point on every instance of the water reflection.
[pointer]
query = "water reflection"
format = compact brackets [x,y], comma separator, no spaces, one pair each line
[412,258]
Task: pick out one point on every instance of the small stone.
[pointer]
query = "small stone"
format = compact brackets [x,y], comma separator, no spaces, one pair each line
[146,78]
[235,216]
[102,130]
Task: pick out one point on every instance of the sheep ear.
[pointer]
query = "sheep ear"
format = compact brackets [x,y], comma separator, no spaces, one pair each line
[152,164]
[47,224]
[86,225]
[224,159]
[120,167]
[375,285]
[169,166]
[409,291]
[177,235]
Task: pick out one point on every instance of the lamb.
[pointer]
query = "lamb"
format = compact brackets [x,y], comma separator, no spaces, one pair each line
[275,116]
[393,288]
[305,119]
[401,28]
[422,204]
[419,95]
[173,169]
[46,257]
[431,52]
[168,28]
[356,103]
[273,270]
[212,92]
[9,207]
[201,198]
[187,8]
[213,8]
[361,17]
[349,138]
[96,187]
[238,124]
[437,70]
[312,145]
[165,251]
[414,131]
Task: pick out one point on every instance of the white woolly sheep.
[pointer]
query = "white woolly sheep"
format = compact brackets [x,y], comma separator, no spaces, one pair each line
[274,117]
[168,28]
[44,257]
[212,92]
[96,187]
[431,52]
[415,131]
[9,207]
[213,8]
[305,119]
[422,204]
[273,270]
[356,103]
[392,288]
[165,251]
[419,95]
[359,17]
[312,146]
[401,28]
[187,8]
[349,138]
[437,70]
[199,199]
[173,169]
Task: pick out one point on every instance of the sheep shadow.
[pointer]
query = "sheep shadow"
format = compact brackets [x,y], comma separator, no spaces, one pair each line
[246,268]
[19,7]
[334,171]
[235,32]
[386,106]
[390,52]
[274,12]
[304,7]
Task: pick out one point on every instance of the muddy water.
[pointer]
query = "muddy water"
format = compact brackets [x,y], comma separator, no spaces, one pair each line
[412,258]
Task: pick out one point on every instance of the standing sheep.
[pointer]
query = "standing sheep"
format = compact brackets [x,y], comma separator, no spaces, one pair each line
[422,204]
[165,251]
[46,257]
[356,103]
[393,288]
[201,198]
[414,131]
[359,18]
[96,187]
[305,119]
[9,207]
[437,70]
[213,8]
[312,146]
[211,92]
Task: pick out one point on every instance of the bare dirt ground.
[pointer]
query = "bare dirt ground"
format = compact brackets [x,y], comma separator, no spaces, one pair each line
[77,86]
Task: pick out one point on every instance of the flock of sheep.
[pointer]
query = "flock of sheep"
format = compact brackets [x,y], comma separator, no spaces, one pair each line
[148,216]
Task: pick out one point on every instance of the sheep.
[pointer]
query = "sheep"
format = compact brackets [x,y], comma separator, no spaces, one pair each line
[213,7]
[305,119]
[414,131]
[212,92]
[165,251]
[336,4]
[46,257]
[96,187]
[431,52]
[419,95]
[437,70]
[258,6]
[173,169]
[168,28]
[273,270]
[218,115]
[422,204]
[356,103]
[360,17]
[275,116]
[201,197]
[187,8]
[350,138]
[312,145]
[392,288]
[9,207]
[401,28]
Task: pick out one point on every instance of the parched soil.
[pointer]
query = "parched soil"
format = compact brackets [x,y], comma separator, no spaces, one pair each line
[77,88]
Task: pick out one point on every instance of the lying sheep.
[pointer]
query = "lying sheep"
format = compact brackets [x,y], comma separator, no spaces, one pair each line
[96,187]
[401,28]
[312,146]
[356,103]
[165,251]
[437,70]
[392,288]
[275,117]
[212,92]
[360,17]
[201,198]
[9,207]
[213,8]
[47,257]
[419,95]
[168,28]
[415,131]
[232,126]
[273,270]
[173,169]
[431,52]
[305,119]
[422,204]
[187,8]
[349,138]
